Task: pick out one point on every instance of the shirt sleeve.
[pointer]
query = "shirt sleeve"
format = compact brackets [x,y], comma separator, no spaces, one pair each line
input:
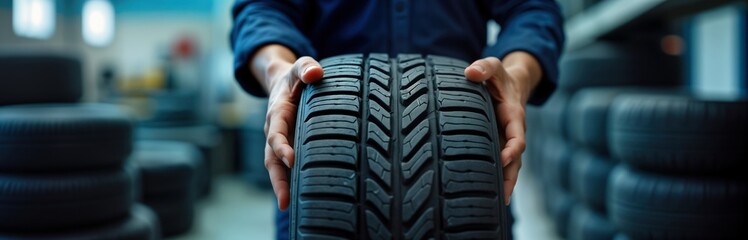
[262,22]
[535,27]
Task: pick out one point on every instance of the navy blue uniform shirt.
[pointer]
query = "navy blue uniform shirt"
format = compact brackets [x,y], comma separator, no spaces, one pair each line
[453,28]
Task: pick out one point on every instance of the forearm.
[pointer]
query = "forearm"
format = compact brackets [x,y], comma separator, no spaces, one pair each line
[525,69]
[268,60]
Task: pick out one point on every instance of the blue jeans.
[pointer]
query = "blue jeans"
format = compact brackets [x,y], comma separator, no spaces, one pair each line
[281,223]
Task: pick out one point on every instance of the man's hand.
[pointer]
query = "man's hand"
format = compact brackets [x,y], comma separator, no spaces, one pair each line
[510,84]
[282,78]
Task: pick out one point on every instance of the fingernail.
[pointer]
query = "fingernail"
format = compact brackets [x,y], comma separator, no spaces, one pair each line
[305,70]
[285,161]
[508,200]
[507,162]
[479,68]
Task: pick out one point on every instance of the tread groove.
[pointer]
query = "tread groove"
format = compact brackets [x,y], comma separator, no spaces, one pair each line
[396,147]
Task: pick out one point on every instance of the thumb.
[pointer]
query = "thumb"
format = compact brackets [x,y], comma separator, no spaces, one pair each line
[482,69]
[307,70]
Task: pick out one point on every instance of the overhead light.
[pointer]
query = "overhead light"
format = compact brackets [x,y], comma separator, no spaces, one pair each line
[98,23]
[34,18]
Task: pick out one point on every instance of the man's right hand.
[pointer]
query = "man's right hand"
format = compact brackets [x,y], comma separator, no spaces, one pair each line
[282,77]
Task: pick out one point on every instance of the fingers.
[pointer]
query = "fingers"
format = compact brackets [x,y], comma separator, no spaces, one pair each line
[511,174]
[278,178]
[279,121]
[512,119]
[515,144]
[483,69]
[307,70]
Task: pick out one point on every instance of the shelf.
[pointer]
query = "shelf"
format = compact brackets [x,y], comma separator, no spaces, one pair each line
[610,16]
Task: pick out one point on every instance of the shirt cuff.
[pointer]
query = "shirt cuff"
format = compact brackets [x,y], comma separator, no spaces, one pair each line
[245,49]
[547,58]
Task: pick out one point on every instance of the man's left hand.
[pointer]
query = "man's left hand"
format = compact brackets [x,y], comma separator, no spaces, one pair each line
[510,83]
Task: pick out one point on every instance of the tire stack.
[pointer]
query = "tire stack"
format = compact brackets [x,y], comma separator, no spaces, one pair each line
[175,116]
[204,136]
[63,174]
[169,173]
[683,167]
[23,82]
[551,151]
[556,161]
[253,147]
[591,164]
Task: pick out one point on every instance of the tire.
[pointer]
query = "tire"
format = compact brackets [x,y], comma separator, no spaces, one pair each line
[680,134]
[589,178]
[175,216]
[141,224]
[415,156]
[586,224]
[167,168]
[253,147]
[652,206]
[557,164]
[60,137]
[588,117]
[559,204]
[205,137]
[611,64]
[38,78]
[553,115]
[531,157]
[56,202]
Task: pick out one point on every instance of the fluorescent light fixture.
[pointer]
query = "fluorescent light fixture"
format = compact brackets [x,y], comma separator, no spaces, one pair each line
[34,18]
[716,52]
[98,22]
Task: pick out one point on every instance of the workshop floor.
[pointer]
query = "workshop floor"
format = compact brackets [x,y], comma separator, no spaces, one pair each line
[236,211]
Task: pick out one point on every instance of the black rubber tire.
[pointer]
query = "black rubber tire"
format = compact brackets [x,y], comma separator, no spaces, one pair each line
[553,115]
[167,168]
[614,64]
[205,137]
[588,113]
[175,216]
[531,159]
[589,178]
[586,224]
[588,117]
[558,204]
[651,206]
[57,202]
[680,133]
[40,78]
[556,163]
[141,224]
[400,147]
[253,147]
[59,137]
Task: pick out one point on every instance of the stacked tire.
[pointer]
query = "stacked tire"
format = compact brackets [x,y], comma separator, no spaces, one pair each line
[253,148]
[204,136]
[23,82]
[683,172]
[169,173]
[552,152]
[63,174]
[592,164]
